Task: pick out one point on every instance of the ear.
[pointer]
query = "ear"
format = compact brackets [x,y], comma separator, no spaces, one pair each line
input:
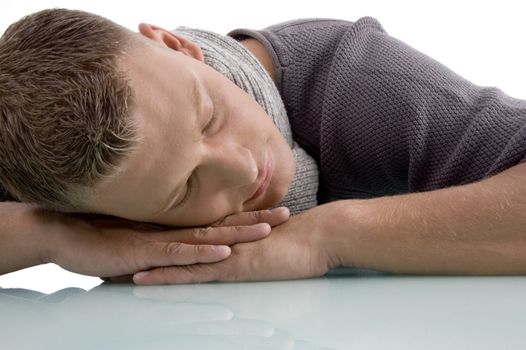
[171,40]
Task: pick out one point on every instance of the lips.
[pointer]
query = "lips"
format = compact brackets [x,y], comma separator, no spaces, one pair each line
[264,182]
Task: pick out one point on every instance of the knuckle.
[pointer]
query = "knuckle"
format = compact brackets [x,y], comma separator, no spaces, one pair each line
[131,255]
[172,248]
[136,261]
[256,215]
[220,222]
[202,232]
[200,250]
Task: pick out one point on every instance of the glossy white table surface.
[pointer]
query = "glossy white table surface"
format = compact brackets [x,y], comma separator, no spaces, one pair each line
[344,310]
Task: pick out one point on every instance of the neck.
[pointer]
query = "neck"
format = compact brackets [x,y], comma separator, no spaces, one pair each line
[260,52]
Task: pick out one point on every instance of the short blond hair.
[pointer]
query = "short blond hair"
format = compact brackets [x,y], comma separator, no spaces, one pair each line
[65,120]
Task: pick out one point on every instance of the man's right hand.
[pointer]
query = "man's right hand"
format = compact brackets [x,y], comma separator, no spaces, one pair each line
[105,246]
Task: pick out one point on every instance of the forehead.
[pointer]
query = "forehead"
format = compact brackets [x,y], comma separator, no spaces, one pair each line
[150,68]
[165,92]
[163,81]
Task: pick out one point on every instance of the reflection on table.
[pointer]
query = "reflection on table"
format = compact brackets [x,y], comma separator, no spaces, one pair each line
[341,311]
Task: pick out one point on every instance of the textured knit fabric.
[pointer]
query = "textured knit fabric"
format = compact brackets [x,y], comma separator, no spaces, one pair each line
[237,63]
[380,117]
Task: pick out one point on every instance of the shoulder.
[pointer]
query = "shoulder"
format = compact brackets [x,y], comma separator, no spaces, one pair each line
[307,23]
[291,27]
[288,38]
[287,42]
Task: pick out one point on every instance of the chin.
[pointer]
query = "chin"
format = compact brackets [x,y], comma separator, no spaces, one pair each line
[280,191]
[272,201]
[281,181]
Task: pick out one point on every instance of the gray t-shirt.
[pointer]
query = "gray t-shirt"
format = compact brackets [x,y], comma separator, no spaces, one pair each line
[380,117]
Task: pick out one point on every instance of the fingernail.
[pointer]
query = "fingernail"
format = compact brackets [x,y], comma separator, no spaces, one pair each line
[222,249]
[280,210]
[140,275]
[261,226]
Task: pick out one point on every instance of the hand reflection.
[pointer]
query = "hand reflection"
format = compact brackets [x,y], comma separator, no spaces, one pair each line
[207,316]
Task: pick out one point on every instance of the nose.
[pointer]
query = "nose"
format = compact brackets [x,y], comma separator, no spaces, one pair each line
[233,164]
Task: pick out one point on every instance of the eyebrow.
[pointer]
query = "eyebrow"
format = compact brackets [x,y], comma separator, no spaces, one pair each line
[195,96]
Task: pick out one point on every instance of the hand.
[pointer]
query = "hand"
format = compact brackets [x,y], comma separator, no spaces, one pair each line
[297,248]
[98,245]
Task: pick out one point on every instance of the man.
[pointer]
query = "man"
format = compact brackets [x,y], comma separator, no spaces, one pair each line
[124,166]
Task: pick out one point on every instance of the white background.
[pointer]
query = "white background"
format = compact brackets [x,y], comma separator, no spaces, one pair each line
[484,41]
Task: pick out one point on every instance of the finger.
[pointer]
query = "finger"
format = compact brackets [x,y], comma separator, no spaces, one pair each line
[157,254]
[273,217]
[227,235]
[178,275]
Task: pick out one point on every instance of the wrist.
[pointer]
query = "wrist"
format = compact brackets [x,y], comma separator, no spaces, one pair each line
[41,226]
[343,221]
[376,233]
[24,246]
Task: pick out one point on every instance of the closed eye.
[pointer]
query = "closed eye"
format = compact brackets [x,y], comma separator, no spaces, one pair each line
[190,183]
[211,122]
[189,190]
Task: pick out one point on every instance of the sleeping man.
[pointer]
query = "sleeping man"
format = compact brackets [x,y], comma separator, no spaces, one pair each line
[182,139]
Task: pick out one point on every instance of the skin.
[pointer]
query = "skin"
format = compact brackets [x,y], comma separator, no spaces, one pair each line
[221,164]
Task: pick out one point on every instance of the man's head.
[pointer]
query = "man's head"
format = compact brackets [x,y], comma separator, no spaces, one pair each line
[97,118]
[64,107]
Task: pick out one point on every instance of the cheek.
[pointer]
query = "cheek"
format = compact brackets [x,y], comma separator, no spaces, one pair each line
[199,213]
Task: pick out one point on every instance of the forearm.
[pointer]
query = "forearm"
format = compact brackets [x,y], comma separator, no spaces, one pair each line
[20,244]
[478,228]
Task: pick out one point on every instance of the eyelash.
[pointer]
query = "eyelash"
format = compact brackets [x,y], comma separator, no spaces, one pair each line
[211,122]
[190,182]
[188,192]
